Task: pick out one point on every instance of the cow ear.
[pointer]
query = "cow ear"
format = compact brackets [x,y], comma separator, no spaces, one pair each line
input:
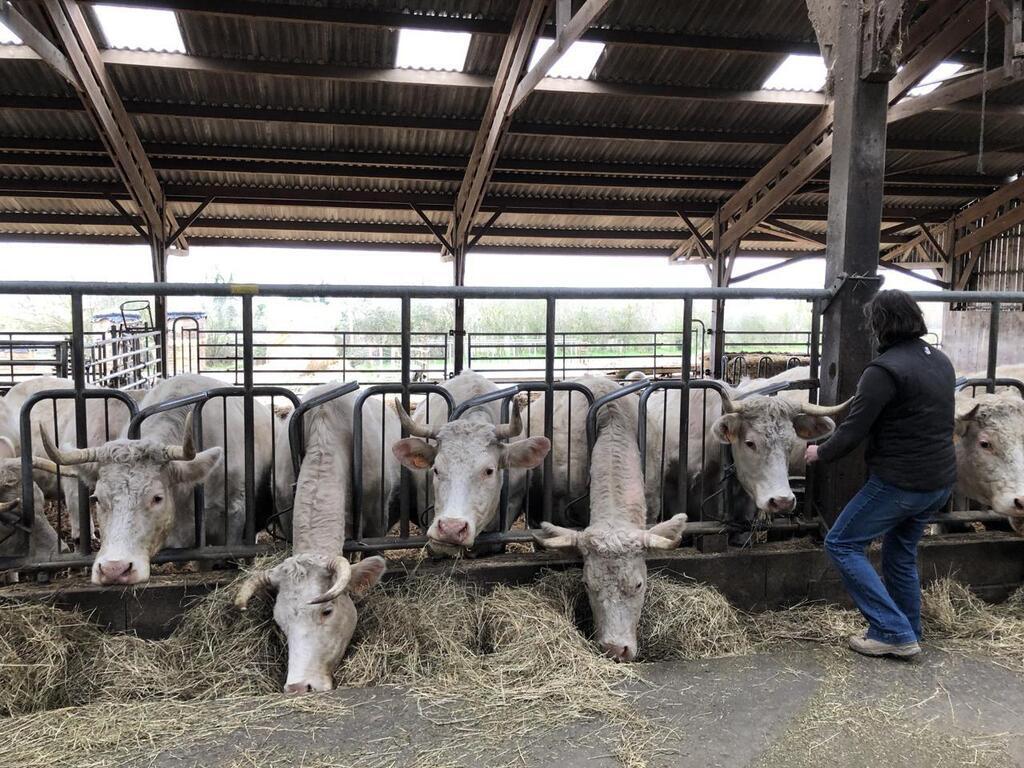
[727,427]
[414,453]
[525,454]
[365,575]
[198,469]
[7,449]
[812,427]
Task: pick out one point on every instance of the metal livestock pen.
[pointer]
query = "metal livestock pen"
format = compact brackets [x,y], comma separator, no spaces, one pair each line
[406,388]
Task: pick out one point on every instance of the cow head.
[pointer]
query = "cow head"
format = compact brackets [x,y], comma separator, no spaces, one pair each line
[763,432]
[466,464]
[615,575]
[138,485]
[990,451]
[313,607]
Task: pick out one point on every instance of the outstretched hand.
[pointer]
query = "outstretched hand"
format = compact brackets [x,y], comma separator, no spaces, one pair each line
[811,454]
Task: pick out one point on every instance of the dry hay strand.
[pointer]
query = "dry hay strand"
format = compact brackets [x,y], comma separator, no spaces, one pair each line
[859,721]
[955,619]
[689,621]
[43,651]
[111,733]
[821,623]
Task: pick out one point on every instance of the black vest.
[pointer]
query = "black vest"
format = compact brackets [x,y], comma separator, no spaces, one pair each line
[911,444]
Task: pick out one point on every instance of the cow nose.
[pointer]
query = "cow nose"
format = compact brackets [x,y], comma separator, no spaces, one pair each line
[452,529]
[298,688]
[618,651]
[781,503]
[112,571]
[1019,503]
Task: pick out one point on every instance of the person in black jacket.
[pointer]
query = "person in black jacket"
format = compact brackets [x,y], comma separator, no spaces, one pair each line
[905,408]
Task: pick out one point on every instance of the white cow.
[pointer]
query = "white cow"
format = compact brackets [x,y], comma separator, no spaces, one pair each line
[43,541]
[767,436]
[313,587]
[465,465]
[103,422]
[144,487]
[615,542]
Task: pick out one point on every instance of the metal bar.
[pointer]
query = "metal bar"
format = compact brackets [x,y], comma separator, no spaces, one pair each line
[250,427]
[405,479]
[684,408]
[81,417]
[190,219]
[993,344]
[549,408]
[52,288]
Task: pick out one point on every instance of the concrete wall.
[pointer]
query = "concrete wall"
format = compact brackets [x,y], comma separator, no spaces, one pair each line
[965,339]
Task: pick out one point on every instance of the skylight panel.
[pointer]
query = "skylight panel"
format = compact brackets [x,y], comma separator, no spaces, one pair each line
[935,78]
[799,72]
[6,36]
[143,29]
[428,49]
[578,62]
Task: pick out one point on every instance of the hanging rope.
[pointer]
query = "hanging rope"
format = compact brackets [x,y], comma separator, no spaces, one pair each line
[984,94]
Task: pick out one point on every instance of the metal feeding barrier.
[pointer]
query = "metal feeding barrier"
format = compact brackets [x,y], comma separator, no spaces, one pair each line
[542,482]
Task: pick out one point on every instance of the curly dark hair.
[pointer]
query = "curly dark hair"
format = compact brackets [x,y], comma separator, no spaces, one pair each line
[894,317]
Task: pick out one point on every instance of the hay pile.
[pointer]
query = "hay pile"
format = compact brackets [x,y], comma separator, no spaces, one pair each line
[513,655]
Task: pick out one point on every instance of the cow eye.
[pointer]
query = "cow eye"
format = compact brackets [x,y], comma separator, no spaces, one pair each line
[327,611]
[985,444]
[750,444]
[435,471]
[639,586]
[157,498]
[489,471]
[94,499]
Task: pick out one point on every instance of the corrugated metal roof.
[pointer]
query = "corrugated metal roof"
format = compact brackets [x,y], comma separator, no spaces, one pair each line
[582,163]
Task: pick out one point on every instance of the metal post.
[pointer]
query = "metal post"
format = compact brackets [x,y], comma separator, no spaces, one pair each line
[249,417]
[159,301]
[993,346]
[684,407]
[459,332]
[549,408]
[82,437]
[854,223]
[718,306]
[405,481]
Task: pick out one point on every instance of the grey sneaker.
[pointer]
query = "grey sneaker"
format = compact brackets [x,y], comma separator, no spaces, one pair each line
[864,645]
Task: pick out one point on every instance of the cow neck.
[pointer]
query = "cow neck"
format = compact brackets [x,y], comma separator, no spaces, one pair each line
[616,478]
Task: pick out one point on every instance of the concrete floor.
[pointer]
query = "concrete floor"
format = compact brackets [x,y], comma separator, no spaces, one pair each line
[795,708]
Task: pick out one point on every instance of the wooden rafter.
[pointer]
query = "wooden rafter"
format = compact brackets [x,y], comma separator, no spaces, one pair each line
[90,79]
[941,30]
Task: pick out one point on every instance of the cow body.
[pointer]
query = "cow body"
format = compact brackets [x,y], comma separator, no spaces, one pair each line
[615,542]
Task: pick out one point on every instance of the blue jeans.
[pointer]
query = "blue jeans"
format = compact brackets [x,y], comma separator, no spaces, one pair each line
[892,608]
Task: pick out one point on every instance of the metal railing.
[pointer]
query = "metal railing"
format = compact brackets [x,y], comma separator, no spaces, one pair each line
[404,386]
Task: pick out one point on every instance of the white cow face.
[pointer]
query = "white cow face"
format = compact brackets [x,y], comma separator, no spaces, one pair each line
[314,610]
[615,576]
[990,452]
[763,433]
[466,466]
[138,484]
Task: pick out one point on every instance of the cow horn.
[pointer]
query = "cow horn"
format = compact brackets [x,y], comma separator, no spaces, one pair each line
[70,456]
[812,409]
[8,506]
[412,427]
[342,571]
[655,541]
[556,537]
[256,582]
[45,465]
[729,405]
[187,450]
[514,427]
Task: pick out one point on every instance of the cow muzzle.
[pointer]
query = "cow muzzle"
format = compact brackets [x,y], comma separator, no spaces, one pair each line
[455,531]
[782,502]
[128,570]
[310,684]
[618,650]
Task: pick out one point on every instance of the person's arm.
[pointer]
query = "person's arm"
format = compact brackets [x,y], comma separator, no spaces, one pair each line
[874,391]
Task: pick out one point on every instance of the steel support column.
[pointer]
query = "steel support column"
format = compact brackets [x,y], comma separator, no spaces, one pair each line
[854,222]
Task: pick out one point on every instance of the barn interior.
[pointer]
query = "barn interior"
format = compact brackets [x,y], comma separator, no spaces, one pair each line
[736,138]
